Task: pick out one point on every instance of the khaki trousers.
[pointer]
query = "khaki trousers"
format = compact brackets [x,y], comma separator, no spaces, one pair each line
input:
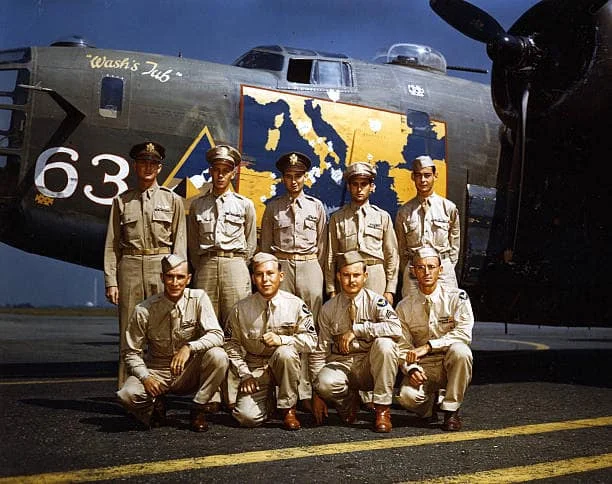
[139,277]
[451,370]
[282,370]
[226,280]
[305,280]
[203,374]
[338,381]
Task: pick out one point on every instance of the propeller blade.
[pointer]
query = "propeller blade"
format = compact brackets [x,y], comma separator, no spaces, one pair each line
[468,19]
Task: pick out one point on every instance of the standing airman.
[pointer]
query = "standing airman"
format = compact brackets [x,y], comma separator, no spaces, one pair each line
[368,229]
[145,224]
[428,220]
[222,235]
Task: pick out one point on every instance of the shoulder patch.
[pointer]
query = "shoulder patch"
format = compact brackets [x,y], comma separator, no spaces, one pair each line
[382,302]
[463,295]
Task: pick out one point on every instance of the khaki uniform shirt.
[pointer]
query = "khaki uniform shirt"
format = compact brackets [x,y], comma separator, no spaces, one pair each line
[448,320]
[375,318]
[438,227]
[226,222]
[367,229]
[165,327]
[250,319]
[139,220]
[294,228]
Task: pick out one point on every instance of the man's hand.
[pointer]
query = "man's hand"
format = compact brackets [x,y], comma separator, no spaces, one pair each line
[319,408]
[177,365]
[343,341]
[332,294]
[248,385]
[416,378]
[272,339]
[389,297]
[153,386]
[416,354]
[112,294]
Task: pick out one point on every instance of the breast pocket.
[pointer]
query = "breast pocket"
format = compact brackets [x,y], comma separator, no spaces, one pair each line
[283,231]
[347,236]
[162,224]
[411,233]
[129,222]
[373,236]
[188,330]
[206,227]
[234,224]
[440,230]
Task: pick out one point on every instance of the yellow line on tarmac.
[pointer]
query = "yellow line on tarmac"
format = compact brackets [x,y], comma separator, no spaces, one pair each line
[538,346]
[54,380]
[545,470]
[271,455]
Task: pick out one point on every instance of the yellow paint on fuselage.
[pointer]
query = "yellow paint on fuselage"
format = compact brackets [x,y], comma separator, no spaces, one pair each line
[259,186]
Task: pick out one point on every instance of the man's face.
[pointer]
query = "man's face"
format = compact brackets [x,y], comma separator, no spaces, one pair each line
[424,180]
[175,281]
[222,174]
[427,271]
[360,188]
[267,278]
[147,170]
[352,278]
[294,181]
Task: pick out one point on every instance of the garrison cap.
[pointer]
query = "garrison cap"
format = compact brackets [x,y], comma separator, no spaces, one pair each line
[149,150]
[294,160]
[349,258]
[421,162]
[224,154]
[360,168]
[262,257]
[423,252]
[170,262]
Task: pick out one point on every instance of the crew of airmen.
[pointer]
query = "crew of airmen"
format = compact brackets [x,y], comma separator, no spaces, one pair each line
[281,346]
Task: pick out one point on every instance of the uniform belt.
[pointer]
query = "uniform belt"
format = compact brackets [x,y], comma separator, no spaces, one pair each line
[222,253]
[155,251]
[372,261]
[443,255]
[283,256]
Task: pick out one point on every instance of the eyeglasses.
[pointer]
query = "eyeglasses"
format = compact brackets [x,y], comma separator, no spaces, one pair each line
[423,267]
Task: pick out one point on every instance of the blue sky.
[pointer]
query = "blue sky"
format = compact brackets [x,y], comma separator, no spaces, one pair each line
[218,31]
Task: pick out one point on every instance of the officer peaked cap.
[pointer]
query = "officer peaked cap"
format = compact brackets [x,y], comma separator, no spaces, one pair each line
[224,154]
[149,150]
[293,160]
[360,168]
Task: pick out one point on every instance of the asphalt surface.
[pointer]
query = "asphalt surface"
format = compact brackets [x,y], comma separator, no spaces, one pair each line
[540,407]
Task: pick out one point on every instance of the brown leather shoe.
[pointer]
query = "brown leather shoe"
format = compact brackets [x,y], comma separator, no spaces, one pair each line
[349,414]
[158,417]
[369,407]
[383,418]
[452,421]
[290,420]
[198,419]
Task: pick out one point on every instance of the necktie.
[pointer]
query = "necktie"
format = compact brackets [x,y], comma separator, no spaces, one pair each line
[428,304]
[353,311]
[266,317]
[293,206]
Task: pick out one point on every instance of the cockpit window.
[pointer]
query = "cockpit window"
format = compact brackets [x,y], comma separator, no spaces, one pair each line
[111,97]
[319,72]
[255,59]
